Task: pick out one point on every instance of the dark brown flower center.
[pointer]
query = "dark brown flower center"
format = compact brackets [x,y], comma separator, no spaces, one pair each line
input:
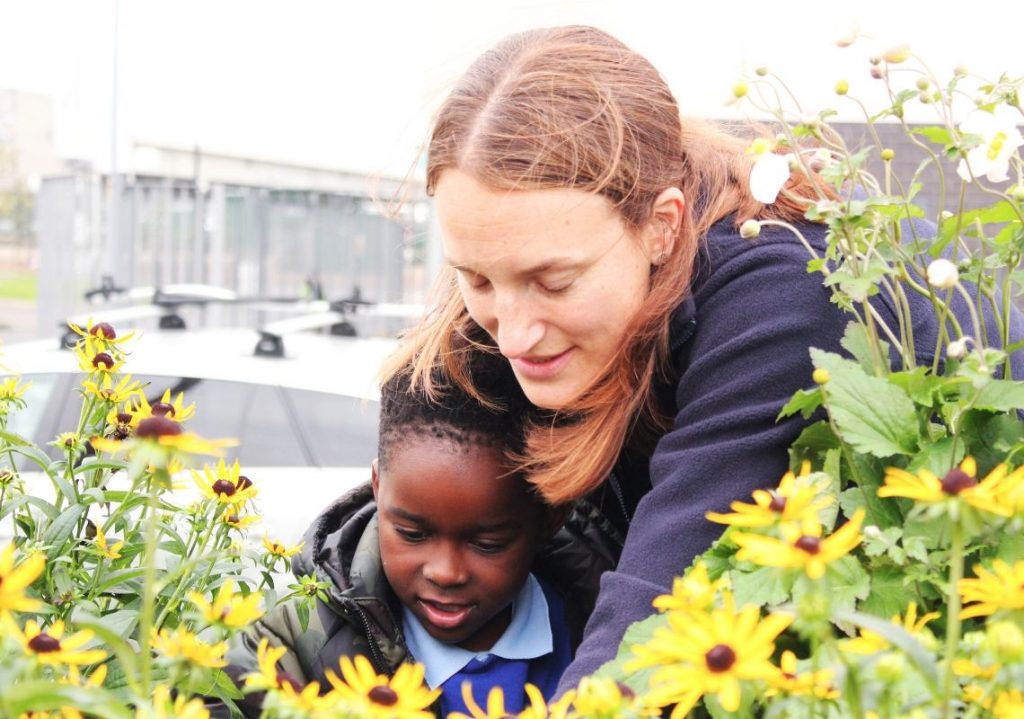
[124,418]
[956,481]
[625,691]
[232,519]
[162,409]
[720,658]
[102,359]
[157,426]
[103,331]
[223,486]
[383,695]
[244,482]
[811,545]
[778,503]
[43,643]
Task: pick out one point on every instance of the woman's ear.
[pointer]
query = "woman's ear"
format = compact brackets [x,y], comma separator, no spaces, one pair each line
[374,477]
[666,219]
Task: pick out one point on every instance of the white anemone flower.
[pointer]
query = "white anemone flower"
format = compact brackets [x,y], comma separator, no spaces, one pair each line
[1000,140]
[769,173]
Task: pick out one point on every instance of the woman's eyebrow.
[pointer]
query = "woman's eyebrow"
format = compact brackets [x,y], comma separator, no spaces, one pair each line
[558,263]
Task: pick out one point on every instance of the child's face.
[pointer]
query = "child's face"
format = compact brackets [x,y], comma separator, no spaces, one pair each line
[456,538]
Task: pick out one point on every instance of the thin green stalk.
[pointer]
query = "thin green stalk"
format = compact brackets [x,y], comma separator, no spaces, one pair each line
[149,579]
[956,573]
[180,585]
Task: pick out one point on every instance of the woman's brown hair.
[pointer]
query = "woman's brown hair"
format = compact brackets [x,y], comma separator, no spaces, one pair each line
[572,107]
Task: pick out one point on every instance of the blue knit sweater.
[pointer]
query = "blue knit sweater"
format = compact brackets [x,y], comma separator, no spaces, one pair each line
[740,343]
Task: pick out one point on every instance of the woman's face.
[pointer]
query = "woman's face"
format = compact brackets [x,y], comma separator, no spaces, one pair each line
[554,276]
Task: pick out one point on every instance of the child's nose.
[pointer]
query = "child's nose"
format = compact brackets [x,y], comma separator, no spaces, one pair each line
[445,568]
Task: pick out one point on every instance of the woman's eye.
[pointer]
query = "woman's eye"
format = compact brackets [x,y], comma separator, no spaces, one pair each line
[555,288]
[411,535]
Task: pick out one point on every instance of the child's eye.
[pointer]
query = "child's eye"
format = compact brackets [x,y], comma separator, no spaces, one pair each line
[411,535]
[490,546]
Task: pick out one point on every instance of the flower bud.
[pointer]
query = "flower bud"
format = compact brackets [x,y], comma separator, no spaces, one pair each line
[1017,192]
[761,71]
[957,349]
[739,90]
[922,83]
[820,160]
[821,376]
[877,72]
[875,60]
[896,55]
[960,71]
[891,668]
[871,531]
[942,274]
[750,229]
[887,154]
[842,87]
[946,215]
[848,39]
[924,97]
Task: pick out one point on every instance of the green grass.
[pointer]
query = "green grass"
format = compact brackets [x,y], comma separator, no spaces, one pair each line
[19,286]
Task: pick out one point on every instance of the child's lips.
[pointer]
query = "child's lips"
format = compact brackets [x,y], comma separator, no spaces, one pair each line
[445,615]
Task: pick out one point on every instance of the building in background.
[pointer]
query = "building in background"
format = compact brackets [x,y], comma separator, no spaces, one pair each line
[256,227]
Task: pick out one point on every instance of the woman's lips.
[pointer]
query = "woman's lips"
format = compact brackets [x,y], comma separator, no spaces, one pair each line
[542,368]
[444,615]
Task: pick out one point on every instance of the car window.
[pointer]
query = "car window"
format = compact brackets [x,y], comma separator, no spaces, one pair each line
[276,427]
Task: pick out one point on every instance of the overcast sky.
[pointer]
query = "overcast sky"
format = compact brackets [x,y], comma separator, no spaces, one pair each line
[352,85]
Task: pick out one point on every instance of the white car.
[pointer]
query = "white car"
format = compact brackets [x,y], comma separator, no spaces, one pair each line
[307,420]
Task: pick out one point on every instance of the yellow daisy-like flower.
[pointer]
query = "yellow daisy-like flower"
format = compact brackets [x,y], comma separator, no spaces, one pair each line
[709,653]
[163,707]
[52,647]
[124,417]
[68,442]
[74,678]
[692,592]
[1008,705]
[791,501]
[539,709]
[233,519]
[403,696]
[1000,588]
[15,579]
[967,668]
[165,433]
[802,547]
[282,687]
[227,610]
[495,704]
[602,697]
[869,642]
[278,549]
[97,358]
[183,644]
[110,552]
[175,410]
[10,390]
[105,389]
[101,332]
[225,484]
[790,681]
[268,676]
[959,484]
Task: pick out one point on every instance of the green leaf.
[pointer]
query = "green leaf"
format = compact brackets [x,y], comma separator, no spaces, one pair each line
[302,611]
[889,593]
[28,697]
[638,633]
[938,456]
[48,509]
[896,635]
[764,586]
[804,401]
[60,530]
[848,582]
[873,416]
[1001,395]
[922,386]
[935,133]
[856,342]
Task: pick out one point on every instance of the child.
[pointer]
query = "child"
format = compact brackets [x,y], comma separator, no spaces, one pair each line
[431,561]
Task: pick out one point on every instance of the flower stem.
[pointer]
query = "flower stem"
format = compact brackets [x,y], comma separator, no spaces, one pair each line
[149,579]
[956,573]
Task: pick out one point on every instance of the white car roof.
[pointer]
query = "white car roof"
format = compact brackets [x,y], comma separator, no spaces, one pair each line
[338,365]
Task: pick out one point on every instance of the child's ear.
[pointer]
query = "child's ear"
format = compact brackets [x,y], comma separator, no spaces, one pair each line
[374,478]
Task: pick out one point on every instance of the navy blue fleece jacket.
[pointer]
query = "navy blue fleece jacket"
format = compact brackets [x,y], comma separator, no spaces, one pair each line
[740,343]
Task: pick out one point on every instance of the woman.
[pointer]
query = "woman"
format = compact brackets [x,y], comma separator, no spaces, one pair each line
[591,239]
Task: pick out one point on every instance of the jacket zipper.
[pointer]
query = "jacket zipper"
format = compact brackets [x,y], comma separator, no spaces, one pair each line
[375,653]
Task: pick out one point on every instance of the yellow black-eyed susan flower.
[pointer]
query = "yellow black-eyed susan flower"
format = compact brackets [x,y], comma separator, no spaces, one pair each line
[988,591]
[539,709]
[225,484]
[278,549]
[101,332]
[790,681]
[176,409]
[603,697]
[50,646]
[165,707]
[495,708]
[282,687]
[869,642]
[16,578]
[960,484]
[107,550]
[233,517]
[801,547]
[98,359]
[709,652]
[694,591]
[104,388]
[228,610]
[160,432]
[402,696]
[183,644]
[791,501]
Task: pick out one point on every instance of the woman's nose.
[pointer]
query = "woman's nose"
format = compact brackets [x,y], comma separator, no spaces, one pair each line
[518,329]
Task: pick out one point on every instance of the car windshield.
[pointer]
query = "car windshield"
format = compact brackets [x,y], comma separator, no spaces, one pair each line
[277,426]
